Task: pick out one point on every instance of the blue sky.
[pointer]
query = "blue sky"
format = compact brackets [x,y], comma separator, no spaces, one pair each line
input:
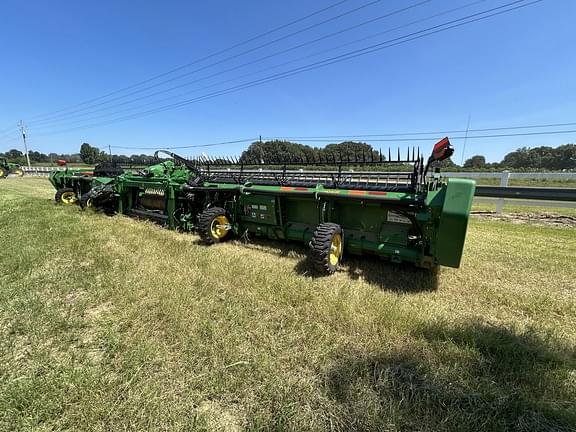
[513,69]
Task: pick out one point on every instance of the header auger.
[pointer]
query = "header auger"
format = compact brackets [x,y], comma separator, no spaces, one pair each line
[384,205]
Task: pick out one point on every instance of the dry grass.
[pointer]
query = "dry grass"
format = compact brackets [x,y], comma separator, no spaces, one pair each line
[114,324]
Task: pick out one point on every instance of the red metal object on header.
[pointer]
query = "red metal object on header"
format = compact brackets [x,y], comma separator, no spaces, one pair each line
[61,162]
[442,150]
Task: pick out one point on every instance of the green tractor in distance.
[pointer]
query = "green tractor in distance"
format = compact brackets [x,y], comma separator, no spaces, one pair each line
[405,212]
[10,168]
[72,184]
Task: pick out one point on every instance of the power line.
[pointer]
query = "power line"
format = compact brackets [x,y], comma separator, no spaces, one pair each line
[436,132]
[337,59]
[356,9]
[466,137]
[432,138]
[222,51]
[323,141]
[10,138]
[190,146]
[276,54]
[7,131]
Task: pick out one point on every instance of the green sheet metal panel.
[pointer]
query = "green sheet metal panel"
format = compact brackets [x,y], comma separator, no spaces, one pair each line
[454,221]
[302,210]
[258,209]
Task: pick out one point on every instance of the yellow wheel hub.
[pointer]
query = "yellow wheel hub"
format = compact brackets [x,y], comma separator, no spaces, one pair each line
[336,249]
[219,227]
[19,172]
[1,172]
[68,198]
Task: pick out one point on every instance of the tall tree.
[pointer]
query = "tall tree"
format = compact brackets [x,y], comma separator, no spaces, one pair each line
[90,155]
[350,150]
[277,150]
[477,161]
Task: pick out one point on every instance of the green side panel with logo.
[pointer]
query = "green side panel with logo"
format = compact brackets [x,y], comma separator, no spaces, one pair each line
[454,221]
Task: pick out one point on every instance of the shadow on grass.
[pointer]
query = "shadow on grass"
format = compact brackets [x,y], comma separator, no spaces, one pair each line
[401,278]
[473,377]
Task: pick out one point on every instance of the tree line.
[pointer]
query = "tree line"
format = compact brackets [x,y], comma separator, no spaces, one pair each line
[88,155]
[537,158]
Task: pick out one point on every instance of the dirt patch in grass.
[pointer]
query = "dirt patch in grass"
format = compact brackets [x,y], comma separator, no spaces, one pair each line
[551,219]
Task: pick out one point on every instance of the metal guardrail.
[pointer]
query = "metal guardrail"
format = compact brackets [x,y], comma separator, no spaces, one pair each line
[41,171]
[514,175]
[531,193]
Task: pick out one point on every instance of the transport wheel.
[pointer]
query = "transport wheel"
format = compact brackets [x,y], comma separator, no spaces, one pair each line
[65,196]
[18,172]
[213,225]
[327,246]
[86,201]
[3,173]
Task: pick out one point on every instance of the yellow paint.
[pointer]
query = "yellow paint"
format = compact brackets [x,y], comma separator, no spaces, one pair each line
[219,227]
[335,249]
[68,198]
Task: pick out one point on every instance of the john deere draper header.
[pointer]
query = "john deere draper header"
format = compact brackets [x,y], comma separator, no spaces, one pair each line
[390,205]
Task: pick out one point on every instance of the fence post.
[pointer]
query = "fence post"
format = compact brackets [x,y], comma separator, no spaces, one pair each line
[503,182]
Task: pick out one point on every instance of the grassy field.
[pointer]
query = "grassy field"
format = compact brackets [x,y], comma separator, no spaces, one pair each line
[113,324]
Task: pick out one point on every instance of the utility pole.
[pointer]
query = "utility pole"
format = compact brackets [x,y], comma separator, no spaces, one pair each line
[23,130]
[110,151]
[465,140]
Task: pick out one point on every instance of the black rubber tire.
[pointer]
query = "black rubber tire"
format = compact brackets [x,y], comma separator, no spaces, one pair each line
[18,172]
[320,247]
[204,225]
[85,201]
[3,173]
[59,193]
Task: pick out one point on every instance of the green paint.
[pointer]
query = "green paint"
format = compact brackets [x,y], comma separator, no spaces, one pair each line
[426,227]
[454,221]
